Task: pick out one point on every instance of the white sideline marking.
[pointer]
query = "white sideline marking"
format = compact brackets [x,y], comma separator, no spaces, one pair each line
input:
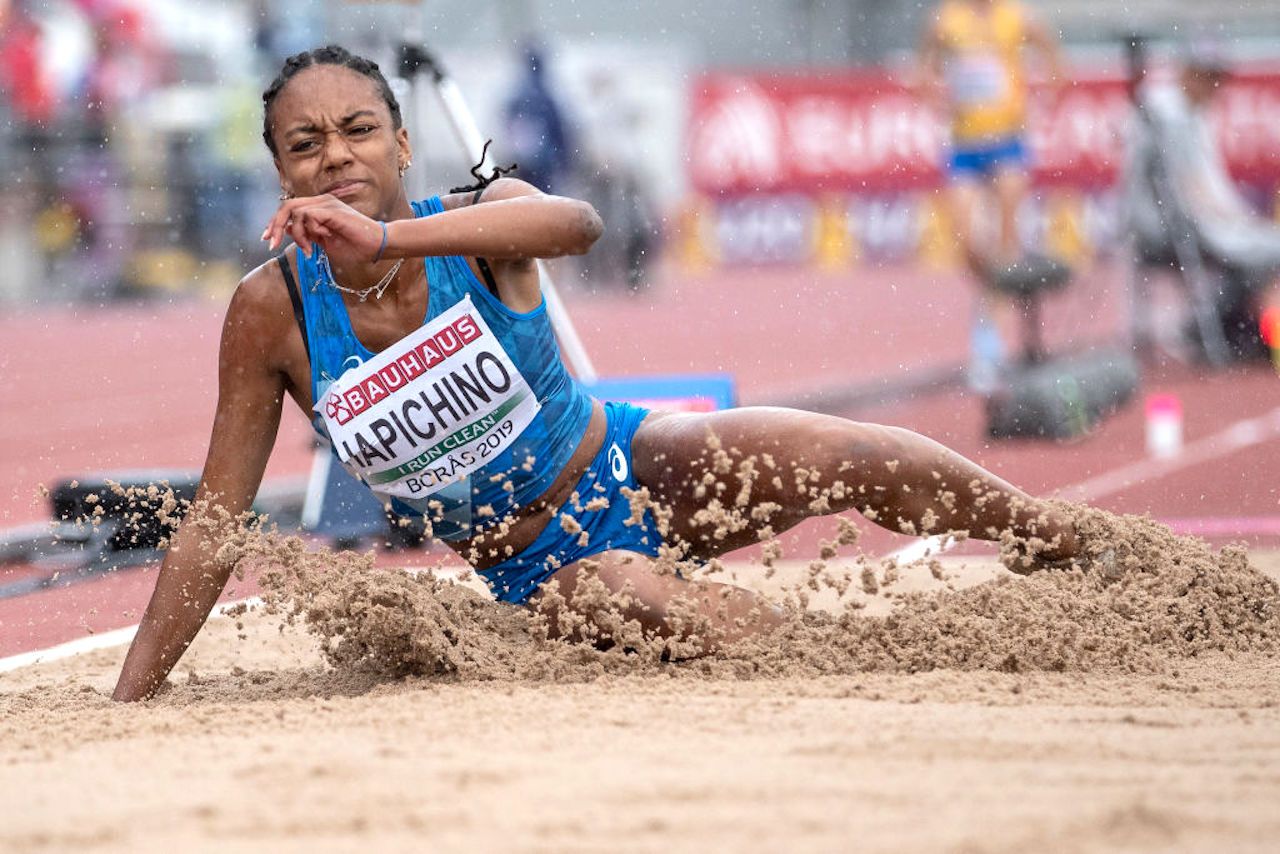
[1241,434]
[1235,526]
[120,637]
[105,640]
[115,637]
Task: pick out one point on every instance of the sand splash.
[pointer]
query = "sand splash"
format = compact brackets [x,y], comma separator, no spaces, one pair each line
[1164,598]
[1173,598]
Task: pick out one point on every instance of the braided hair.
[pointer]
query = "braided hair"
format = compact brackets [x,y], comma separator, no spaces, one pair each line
[328,55]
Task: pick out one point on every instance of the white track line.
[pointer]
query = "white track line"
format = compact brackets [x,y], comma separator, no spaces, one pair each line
[117,637]
[1233,526]
[1241,434]
[105,640]
[120,637]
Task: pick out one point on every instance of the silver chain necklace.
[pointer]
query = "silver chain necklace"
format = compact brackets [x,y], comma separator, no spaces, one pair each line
[322,262]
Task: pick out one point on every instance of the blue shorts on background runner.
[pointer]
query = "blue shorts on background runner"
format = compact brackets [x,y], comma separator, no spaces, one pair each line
[607,527]
[982,159]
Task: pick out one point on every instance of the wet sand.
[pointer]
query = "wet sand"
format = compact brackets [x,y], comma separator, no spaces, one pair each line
[261,744]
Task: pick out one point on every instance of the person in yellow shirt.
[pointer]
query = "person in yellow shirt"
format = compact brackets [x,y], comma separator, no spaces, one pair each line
[975,60]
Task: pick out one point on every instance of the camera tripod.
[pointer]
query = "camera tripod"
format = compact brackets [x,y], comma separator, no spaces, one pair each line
[422,70]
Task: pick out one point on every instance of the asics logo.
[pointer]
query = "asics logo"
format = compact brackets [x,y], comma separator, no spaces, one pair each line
[617,463]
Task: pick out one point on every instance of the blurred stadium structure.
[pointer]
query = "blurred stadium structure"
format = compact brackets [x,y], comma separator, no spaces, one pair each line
[784,132]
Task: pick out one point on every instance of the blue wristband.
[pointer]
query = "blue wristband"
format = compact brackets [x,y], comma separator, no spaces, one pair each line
[382,248]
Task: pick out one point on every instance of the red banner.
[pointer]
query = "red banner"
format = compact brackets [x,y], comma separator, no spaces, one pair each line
[865,132]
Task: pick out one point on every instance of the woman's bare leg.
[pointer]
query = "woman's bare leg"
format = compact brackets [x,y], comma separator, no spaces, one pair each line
[762,466]
[722,479]
[1011,185]
[590,599]
[963,199]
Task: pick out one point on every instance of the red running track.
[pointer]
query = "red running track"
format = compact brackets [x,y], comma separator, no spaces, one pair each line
[133,386]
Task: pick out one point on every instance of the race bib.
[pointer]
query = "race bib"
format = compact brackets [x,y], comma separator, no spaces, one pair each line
[429,410]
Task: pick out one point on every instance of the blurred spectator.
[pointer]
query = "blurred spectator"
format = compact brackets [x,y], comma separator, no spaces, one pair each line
[121,178]
[536,135]
[613,182]
[975,70]
[26,86]
[285,27]
[126,65]
[225,216]
[1241,249]
[71,72]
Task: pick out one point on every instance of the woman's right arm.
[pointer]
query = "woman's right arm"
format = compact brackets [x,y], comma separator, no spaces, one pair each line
[250,390]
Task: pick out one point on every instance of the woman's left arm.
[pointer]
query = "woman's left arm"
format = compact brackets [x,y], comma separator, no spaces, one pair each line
[516,222]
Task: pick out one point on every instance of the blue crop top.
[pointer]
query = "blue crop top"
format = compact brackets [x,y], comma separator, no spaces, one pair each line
[524,470]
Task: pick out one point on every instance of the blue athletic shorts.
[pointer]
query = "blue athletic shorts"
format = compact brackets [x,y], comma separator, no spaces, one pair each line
[982,160]
[609,527]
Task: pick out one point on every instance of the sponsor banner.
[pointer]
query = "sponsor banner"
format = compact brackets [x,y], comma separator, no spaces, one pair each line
[1247,118]
[431,409]
[764,229]
[809,133]
[788,228]
[865,132]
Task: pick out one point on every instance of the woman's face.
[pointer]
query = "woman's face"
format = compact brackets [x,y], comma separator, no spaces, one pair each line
[334,134]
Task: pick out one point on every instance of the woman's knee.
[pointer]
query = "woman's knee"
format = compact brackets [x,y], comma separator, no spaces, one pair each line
[620,578]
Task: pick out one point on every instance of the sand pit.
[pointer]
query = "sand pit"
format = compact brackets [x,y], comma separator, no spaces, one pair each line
[1051,713]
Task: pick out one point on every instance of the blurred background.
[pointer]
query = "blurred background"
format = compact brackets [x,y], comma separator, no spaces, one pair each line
[773,179]
[781,133]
